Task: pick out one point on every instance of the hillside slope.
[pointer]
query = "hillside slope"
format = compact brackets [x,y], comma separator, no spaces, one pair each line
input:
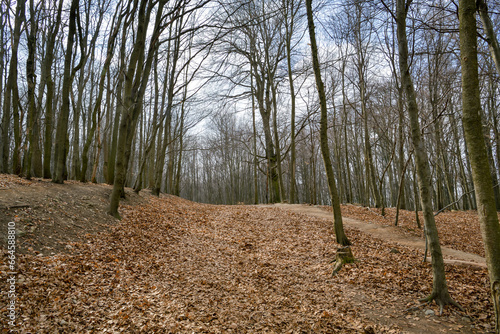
[49,217]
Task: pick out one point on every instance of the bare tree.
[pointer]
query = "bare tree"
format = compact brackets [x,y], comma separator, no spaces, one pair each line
[33,160]
[48,81]
[471,118]
[116,24]
[62,122]
[11,98]
[135,85]
[290,12]
[439,292]
[325,151]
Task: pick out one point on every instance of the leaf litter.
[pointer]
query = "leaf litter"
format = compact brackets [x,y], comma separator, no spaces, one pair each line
[174,266]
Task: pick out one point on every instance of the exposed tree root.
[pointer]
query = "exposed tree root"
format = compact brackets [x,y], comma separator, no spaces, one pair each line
[344,255]
[413,308]
[114,214]
[442,301]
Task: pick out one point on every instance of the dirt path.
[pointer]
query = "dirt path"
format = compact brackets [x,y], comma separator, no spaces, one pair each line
[390,233]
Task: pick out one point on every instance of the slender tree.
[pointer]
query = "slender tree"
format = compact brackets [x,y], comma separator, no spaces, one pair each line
[46,79]
[491,38]
[97,106]
[34,154]
[325,151]
[62,122]
[11,98]
[485,197]
[136,81]
[290,10]
[439,292]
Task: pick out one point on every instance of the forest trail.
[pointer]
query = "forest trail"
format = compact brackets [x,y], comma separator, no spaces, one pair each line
[387,233]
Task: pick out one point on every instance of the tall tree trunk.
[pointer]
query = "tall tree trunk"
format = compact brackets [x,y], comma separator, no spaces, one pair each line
[98,148]
[325,151]
[402,198]
[467,201]
[136,82]
[97,106]
[11,98]
[62,122]
[485,197]
[265,113]
[152,140]
[119,103]
[489,148]
[77,110]
[439,292]
[3,25]
[170,80]
[277,142]
[491,37]
[255,160]
[289,26]
[349,195]
[177,185]
[34,156]
[47,77]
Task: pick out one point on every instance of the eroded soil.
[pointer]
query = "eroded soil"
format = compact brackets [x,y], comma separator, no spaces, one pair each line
[49,217]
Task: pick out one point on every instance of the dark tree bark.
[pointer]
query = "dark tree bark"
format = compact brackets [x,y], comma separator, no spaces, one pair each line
[11,98]
[48,80]
[290,12]
[135,86]
[34,154]
[62,122]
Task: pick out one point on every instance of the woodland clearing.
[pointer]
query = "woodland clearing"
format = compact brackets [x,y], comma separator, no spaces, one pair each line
[175,266]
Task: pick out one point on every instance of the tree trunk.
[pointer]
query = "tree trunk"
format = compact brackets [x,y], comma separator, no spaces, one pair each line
[34,155]
[293,158]
[439,292]
[136,82]
[485,198]
[170,80]
[47,78]
[491,37]
[274,190]
[11,98]
[97,106]
[339,229]
[277,142]
[255,161]
[177,185]
[3,25]
[402,199]
[147,157]
[349,195]
[62,122]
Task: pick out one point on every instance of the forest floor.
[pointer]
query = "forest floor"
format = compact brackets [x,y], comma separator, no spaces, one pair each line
[174,266]
[455,245]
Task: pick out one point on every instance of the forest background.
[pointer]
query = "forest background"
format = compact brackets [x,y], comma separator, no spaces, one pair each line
[222,103]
